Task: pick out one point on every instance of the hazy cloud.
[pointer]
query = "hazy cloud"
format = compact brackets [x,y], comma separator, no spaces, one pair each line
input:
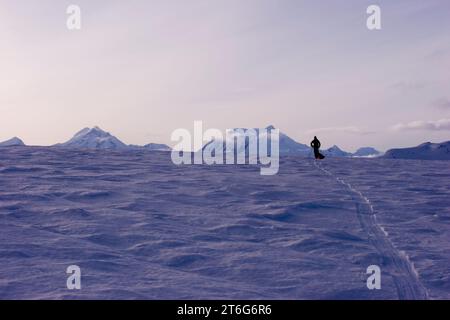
[350,129]
[437,125]
[442,103]
[407,86]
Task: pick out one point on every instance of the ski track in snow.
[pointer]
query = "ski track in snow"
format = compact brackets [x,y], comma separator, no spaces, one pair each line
[406,277]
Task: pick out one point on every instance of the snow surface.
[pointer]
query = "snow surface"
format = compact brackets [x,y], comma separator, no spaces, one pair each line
[140,227]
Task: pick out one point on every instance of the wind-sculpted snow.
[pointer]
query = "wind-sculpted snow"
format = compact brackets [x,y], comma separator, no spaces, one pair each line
[140,227]
[405,276]
[410,201]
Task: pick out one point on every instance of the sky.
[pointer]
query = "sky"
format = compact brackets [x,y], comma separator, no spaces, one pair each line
[141,69]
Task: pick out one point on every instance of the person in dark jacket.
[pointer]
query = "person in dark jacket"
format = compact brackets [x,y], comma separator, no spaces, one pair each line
[315,144]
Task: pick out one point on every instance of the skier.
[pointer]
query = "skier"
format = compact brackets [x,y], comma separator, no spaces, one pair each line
[315,144]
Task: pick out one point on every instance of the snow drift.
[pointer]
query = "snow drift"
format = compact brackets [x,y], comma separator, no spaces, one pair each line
[140,227]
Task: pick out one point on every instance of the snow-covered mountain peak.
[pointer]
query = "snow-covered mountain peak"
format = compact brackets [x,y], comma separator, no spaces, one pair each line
[95,131]
[286,144]
[335,151]
[94,138]
[13,142]
[366,152]
[425,151]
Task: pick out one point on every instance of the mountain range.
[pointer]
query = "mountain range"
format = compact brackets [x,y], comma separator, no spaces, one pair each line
[13,142]
[96,138]
[93,138]
[425,151]
[366,152]
[286,144]
[289,146]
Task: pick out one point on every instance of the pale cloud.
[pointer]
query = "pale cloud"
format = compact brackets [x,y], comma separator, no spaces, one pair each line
[408,86]
[350,129]
[436,125]
[442,103]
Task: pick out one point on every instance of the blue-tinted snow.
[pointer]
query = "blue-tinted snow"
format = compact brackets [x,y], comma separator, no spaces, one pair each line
[140,227]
